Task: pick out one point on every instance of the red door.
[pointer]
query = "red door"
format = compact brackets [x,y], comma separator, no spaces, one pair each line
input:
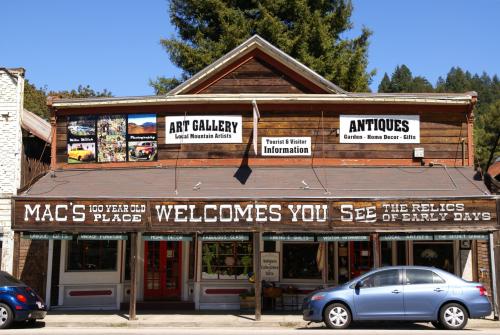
[361,258]
[162,270]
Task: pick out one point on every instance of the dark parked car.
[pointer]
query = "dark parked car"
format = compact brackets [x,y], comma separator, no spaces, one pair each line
[403,293]
[18,302]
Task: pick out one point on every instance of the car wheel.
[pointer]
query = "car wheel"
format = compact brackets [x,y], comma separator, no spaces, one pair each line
[337,316]
[437,325]
[453,316]
[6,316]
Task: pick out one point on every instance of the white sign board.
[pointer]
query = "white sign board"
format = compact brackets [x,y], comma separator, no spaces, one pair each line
[203,129]
[270,266]
[379,129]
[286,146]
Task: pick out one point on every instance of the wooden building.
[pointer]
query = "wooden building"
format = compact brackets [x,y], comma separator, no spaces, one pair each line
[254,169]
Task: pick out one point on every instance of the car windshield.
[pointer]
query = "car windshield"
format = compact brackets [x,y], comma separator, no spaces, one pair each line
[7,280]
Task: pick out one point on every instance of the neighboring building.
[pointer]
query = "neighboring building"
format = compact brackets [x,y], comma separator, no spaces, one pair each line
[176,200]
[24,137]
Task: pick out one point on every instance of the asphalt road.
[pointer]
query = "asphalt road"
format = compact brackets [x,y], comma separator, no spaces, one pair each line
[385,329]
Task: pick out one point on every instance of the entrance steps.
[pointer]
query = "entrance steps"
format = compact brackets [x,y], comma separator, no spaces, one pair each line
[157,305]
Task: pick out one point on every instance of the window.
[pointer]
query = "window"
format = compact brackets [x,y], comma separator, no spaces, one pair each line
[415,277]
[92,255]
[382,278]
[438,255]
[226,260]
[127,258]
[299,261]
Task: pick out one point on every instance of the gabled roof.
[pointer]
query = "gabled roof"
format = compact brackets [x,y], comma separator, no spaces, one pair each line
[256,43]
[36,125]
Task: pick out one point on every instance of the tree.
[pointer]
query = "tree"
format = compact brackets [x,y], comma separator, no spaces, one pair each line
[309,30]
[35,99]
[486,130]
[385,84]
[401,79]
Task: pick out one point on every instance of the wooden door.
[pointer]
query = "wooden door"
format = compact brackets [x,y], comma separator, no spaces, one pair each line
[162,270]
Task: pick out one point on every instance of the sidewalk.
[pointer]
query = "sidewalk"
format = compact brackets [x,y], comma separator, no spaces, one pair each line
[193,319]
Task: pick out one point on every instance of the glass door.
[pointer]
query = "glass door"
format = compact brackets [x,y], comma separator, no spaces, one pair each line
[162,270]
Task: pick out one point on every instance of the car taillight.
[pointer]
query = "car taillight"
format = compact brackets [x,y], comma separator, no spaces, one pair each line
[21,298]
[482,290]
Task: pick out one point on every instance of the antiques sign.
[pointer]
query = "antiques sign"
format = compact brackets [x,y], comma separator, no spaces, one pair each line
[286,146]
[203,129]
[379,129]
[30,214]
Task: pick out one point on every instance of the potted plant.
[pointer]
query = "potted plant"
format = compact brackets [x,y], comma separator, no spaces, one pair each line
[247,299]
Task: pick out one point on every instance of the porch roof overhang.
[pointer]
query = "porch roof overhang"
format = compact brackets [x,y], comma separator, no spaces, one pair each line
[254,183]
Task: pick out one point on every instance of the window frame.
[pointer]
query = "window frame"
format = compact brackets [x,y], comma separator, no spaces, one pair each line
[117,258]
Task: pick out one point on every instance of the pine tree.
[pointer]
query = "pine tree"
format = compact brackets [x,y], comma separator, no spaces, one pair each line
[385,84]
[401,79]
[308,30]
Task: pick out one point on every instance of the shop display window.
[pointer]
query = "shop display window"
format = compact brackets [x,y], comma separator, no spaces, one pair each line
[299,261]
[92,255]
[438,255]
[226,260]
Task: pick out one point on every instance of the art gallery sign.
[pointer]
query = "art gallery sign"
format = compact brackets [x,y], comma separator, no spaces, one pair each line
[379,129]
[203,129]
[156,215]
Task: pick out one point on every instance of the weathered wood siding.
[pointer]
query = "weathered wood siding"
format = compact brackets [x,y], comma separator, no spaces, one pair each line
[443,134]
[255,76]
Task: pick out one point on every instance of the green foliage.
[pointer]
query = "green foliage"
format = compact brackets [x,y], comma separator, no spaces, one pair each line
[487,111]
[35,99]
[402,81]
[308,30]
[486,130]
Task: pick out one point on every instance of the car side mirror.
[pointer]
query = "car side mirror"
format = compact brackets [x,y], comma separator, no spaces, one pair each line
[358,285]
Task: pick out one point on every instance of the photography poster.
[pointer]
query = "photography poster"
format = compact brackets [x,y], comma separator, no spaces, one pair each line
[111,138]
[141,137]
[81,139]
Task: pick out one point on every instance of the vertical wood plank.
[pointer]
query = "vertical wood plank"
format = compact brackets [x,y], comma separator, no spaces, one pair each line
[324,273]
[133,276]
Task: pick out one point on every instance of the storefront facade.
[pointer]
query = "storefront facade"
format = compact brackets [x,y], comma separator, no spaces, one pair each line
[256,169]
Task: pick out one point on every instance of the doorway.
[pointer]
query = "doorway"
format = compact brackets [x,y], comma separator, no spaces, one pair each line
[162,270]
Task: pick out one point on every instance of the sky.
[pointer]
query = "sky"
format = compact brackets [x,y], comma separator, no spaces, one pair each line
[115,44]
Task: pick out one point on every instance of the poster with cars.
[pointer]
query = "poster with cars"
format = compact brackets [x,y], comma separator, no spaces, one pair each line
[111,138]
[141,137]
[81,139]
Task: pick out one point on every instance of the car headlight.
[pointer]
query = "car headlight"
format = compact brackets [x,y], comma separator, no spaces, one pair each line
[318,296]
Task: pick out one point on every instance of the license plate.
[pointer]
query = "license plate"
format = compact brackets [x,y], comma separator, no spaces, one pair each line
[39,304]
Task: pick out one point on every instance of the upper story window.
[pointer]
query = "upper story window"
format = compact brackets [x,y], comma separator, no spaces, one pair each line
[112,138]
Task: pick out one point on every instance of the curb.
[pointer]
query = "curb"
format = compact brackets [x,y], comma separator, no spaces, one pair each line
[145,324]
[251,324]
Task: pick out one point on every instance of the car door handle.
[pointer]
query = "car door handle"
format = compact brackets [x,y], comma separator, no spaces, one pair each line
[396,291]
[438,290]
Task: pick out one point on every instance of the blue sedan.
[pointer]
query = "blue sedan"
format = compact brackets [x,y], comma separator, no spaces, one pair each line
[408,293]
[18,302]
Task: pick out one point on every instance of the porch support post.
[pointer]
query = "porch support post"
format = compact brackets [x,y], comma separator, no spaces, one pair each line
[258,281]
[324,259]
[133,276]
[48,283]
[376,250]
[17,250]
[494,257]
